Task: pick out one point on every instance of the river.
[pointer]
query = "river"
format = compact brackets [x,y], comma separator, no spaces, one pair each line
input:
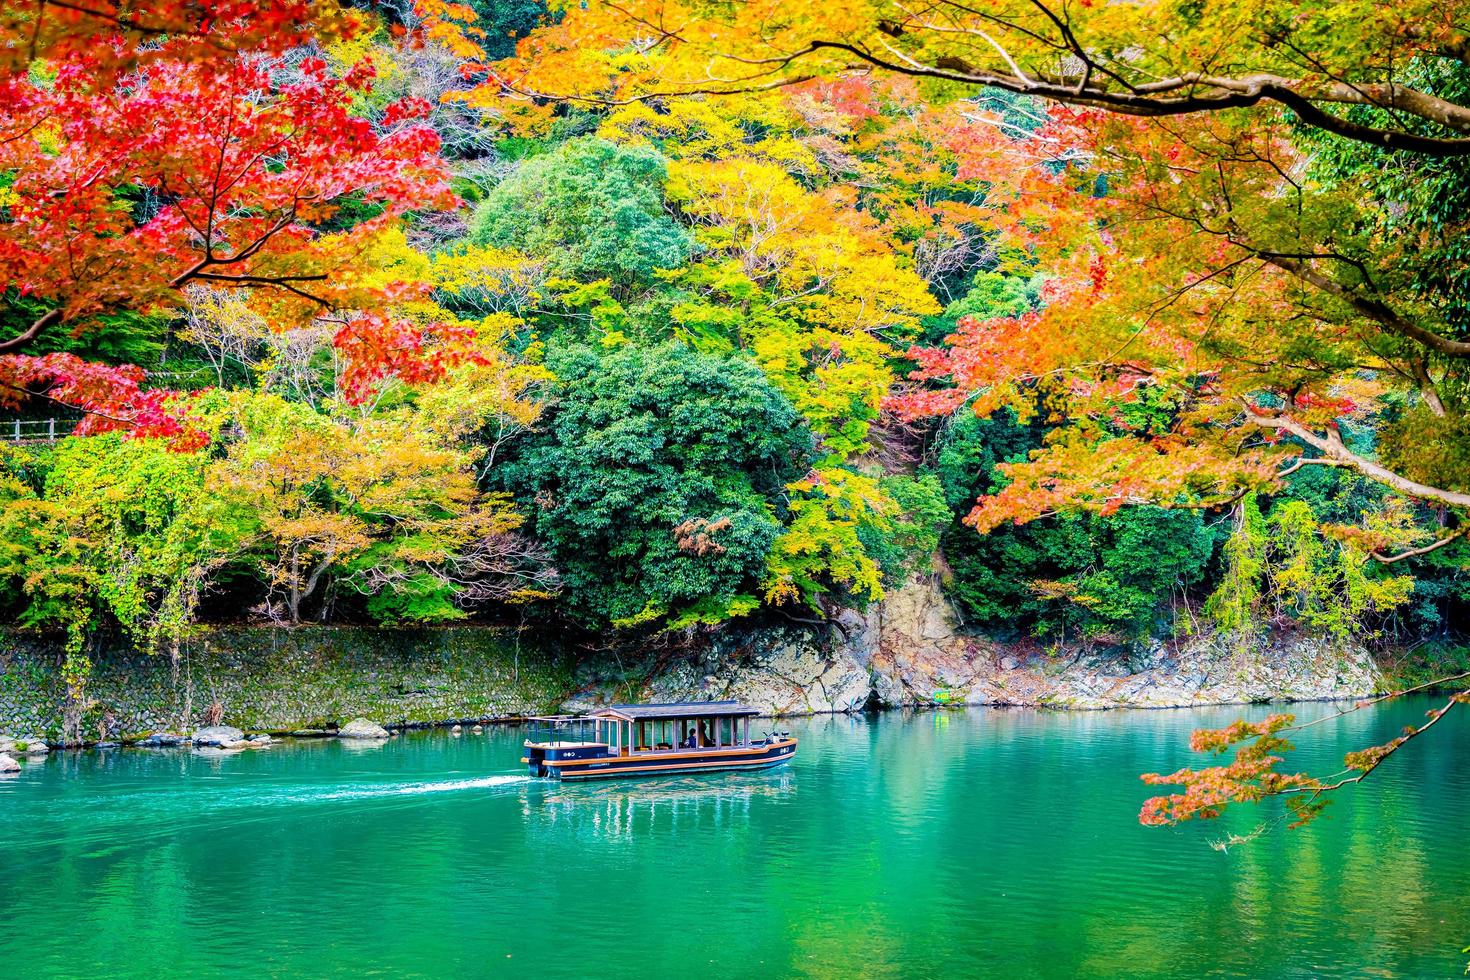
[984,842]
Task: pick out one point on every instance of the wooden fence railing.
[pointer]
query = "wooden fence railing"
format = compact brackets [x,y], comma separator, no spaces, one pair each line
[35,430]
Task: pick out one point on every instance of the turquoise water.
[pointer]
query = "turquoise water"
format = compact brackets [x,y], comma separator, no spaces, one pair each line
[975,843]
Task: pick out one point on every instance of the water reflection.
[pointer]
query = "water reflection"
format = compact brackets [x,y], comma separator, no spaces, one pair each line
[653,806]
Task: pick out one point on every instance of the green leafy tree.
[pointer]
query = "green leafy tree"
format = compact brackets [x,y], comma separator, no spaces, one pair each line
[991,294]
[658,481]
[504,22]
[1282,566]
[911,539]
[1098,575]
[122,528]
[594,210]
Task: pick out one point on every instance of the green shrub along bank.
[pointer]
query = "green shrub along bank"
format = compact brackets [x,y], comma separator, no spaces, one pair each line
[274,679]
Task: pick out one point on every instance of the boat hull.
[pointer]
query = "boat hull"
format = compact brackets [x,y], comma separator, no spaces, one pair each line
[677,762]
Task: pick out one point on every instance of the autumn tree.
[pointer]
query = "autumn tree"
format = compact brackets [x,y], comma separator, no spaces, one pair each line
[1193,130]
[118,37]
[1245,218]
[243,162]
[1322,61]
[377,507]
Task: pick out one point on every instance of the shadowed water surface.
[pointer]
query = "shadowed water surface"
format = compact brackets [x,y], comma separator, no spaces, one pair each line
[978,843]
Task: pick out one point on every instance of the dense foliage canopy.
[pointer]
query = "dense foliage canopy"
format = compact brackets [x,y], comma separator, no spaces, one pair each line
[1114,321]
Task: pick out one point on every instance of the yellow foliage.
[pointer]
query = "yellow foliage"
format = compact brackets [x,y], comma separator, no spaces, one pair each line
[820,546]
[817,254]
[362,502]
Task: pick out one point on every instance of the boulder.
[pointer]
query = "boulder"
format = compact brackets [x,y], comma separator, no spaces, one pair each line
[257,741]
[31,745]
[8,765]
[218,737]
[165,740]
[7,745]
[362,728]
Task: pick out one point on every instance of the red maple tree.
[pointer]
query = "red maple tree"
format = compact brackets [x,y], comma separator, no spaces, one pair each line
[135,171]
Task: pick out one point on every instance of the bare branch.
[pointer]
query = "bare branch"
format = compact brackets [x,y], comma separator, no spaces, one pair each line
[32,332]
[1434,545]
[1332,447]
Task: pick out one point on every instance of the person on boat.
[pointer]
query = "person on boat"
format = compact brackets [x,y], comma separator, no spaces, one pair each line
[691,741]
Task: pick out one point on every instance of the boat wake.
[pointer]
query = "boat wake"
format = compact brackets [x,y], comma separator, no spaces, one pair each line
[201,800]
[120,826]
[378,790]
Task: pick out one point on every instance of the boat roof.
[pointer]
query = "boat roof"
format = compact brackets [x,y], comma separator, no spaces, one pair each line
[676,709]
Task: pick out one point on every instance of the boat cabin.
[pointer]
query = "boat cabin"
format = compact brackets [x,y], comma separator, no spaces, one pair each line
[646,739]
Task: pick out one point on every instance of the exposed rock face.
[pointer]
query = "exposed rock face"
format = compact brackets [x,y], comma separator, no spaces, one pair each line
[8,765]
[362,728]
[782,671]
[219,737]
[912,651]
[925,657]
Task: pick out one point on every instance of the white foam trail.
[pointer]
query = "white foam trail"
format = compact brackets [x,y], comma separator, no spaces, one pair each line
[415,789]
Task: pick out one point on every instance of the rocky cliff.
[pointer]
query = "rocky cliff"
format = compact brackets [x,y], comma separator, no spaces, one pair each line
[912,651]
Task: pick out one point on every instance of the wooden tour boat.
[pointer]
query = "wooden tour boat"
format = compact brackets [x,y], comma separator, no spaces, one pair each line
[653,740]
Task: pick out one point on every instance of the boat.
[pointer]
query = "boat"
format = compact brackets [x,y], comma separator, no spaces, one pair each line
[653,740]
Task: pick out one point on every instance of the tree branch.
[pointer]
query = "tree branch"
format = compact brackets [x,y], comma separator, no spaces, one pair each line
[32,332]
[1332,447]
[1093,84]
[1434,545]
[1373,309]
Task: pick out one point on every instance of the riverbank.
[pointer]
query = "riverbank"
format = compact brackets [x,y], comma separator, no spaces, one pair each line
[277,680]
[909,651]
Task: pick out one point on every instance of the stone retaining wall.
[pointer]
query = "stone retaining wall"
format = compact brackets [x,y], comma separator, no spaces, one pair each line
[274,679]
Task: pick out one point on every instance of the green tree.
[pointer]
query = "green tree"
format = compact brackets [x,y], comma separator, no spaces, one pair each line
[504,22]
[1096,574]
[122,528]
[594,210]
[911,538]
[658,481]
[991,294]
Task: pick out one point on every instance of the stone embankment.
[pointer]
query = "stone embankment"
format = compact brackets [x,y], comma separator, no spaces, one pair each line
[306,681]
[209,740]
[910,651]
